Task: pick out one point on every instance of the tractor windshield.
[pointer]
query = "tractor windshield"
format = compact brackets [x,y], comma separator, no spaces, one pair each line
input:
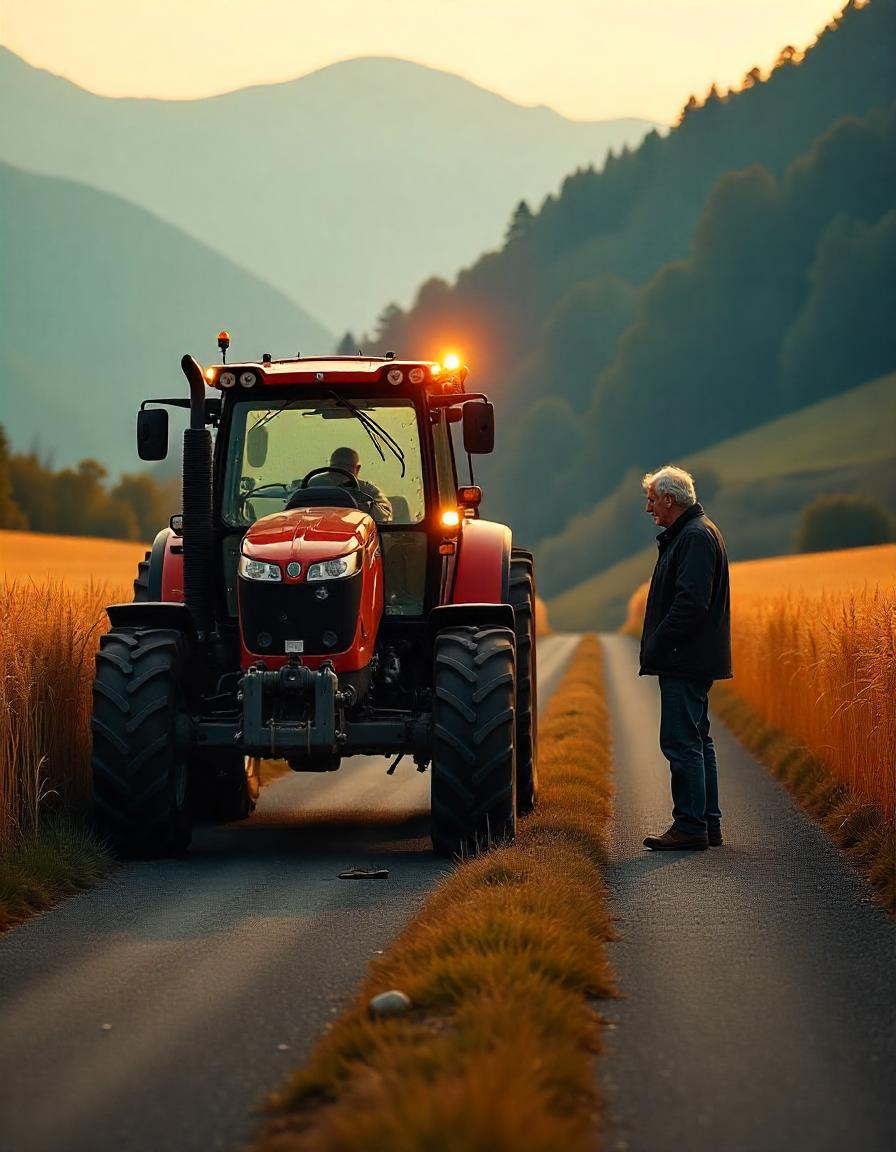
[273,446]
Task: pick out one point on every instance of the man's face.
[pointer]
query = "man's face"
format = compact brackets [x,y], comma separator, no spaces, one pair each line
[661,507]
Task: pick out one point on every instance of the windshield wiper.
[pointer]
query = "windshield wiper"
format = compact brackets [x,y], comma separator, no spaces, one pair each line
[276,411]
[378,435]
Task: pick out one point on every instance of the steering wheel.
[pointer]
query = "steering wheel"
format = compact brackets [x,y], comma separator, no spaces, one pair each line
[303,483]
[245,496]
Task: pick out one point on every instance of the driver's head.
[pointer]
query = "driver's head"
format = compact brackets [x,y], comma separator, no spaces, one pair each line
[346,458]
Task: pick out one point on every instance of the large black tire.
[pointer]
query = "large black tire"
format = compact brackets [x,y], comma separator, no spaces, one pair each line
[473,763]
[219,788]
[522,598]
[141,581]
[139,776]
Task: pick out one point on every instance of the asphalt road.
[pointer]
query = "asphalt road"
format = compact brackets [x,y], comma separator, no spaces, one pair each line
[759,979]
[156,1010]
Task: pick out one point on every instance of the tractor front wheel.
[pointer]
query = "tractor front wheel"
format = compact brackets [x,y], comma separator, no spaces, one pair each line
[473,761]
[139,774]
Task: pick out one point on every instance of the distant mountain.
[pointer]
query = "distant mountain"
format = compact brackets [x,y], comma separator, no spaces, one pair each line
[344,188]
[98,302]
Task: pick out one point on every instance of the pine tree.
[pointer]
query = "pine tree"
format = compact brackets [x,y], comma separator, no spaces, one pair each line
[520,223]
[347,346]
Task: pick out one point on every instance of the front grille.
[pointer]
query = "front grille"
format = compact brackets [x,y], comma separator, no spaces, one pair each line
[275,613]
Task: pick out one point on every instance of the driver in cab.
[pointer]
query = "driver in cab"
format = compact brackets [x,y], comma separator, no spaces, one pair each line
[368,496]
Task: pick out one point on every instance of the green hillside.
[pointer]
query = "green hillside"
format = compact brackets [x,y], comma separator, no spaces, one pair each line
[600,602]
[98,302]
[757,485]
[855,428]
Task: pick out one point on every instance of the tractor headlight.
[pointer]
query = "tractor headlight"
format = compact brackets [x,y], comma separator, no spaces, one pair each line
[334,569]
[258,569]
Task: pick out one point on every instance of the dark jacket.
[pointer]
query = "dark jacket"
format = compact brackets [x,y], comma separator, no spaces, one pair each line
[687,622]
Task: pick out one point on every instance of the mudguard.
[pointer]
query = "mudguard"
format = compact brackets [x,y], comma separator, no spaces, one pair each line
[479,615]
[147,614]
[166,568]
[482,570]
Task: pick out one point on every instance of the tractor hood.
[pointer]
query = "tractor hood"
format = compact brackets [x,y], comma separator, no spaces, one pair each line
[308,535]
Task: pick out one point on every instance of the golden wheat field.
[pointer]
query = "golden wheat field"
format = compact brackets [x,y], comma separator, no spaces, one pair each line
[814,652]
[53,592]
[49,632]
[72,560]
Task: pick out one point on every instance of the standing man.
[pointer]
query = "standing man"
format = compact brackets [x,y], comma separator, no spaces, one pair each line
[686,642]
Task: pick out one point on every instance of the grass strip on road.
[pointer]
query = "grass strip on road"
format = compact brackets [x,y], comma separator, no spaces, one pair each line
[856,827]
[501,966]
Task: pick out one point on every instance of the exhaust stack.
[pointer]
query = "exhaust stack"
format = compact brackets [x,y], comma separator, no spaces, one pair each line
[197,504]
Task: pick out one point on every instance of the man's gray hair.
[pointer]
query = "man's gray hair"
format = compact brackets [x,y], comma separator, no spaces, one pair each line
[674,482]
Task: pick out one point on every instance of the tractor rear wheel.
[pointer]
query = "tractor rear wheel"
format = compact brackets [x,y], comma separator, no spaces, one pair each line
[473,763]
[522,598]
[220,789]
[139,775]
[141,581]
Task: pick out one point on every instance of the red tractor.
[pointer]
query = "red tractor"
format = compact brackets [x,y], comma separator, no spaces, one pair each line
[297,611]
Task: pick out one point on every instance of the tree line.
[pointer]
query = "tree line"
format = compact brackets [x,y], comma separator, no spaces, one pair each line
[81,501]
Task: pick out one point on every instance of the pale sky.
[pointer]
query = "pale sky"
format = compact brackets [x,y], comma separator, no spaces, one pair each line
[589,59]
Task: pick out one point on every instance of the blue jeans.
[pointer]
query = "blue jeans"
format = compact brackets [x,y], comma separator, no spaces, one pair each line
[687,745]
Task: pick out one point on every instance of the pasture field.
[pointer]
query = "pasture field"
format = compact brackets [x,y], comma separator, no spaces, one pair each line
[72,560]
[835,574]
[814,653]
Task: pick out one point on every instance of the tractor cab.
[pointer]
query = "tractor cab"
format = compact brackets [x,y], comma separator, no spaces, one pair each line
[326,590]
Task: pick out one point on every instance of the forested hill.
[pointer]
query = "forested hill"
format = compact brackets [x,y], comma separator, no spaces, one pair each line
[708,281]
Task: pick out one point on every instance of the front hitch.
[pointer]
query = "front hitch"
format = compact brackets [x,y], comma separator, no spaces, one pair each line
[318,688]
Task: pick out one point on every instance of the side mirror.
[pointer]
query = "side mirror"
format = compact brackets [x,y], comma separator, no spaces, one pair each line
[152,433]
[479,427]
[257,447]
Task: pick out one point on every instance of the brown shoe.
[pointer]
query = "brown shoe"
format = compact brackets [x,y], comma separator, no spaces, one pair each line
[676,841]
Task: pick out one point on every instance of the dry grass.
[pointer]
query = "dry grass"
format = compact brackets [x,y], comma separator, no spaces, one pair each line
[75,561]
[48,635]
[542,624]
[863,832]
[814,651]
[499,965]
